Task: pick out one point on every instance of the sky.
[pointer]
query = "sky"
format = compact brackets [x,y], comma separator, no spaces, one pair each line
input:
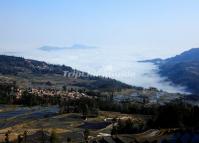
[98,33]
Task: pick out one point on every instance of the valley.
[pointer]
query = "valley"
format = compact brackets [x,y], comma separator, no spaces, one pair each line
[42,102]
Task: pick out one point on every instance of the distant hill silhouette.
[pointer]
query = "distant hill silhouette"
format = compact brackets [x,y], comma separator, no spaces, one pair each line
[182,69]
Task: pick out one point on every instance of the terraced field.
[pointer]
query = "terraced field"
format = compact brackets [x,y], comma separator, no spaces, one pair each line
[18,119]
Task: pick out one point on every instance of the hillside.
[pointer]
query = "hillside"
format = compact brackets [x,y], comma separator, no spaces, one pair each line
[182,69]
[187,56]
[31,73]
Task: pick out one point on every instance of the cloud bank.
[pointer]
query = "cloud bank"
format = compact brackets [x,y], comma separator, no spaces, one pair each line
[56,48]
[120,64]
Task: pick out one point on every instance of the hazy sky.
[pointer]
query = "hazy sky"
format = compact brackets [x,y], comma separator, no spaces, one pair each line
[160,28]
[101,36]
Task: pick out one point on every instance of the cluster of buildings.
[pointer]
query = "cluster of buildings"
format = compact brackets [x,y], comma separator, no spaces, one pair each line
[52,92]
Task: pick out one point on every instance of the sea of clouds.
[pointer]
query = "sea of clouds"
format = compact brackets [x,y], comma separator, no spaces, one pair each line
[118,63]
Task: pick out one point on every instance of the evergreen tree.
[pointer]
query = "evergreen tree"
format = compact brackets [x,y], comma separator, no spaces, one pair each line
[7,137]
[25,136]
[20,139]
[53,137]
[86,134]
[68,139]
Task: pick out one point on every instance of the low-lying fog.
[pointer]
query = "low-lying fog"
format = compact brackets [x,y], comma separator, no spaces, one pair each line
[119,64]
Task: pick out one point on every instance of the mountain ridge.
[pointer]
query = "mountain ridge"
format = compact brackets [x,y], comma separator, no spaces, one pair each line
[33,73]
[182,69]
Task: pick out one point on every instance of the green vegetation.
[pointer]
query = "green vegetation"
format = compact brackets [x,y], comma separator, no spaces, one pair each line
[176,115]
[7,92]
[86,135]
[54,137]
[127,126]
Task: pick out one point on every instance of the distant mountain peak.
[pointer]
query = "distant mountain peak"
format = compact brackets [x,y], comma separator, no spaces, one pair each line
[81,46]
[57,48]
[51,48]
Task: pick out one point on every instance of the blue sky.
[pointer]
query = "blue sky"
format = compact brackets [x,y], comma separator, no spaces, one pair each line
[162,27]
[121,32]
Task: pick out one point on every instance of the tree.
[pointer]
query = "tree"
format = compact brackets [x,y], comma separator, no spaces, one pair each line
[43,136]
[114,130]
[7,137]
[86,134]
[178,140]
[20,138]
[25,136]
[165,141]
[68,139]
[64,88]
[155,141]
[53,137]
[84,108]
[169,116]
